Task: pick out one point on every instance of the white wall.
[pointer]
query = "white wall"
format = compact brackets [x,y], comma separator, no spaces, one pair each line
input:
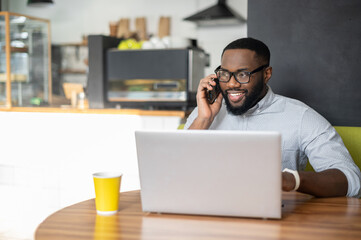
[70,19]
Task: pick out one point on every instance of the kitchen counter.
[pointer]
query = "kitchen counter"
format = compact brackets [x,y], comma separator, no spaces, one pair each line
[50,153]
[140,112]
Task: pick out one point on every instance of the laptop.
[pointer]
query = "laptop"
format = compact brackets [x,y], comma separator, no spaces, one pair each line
[210,172]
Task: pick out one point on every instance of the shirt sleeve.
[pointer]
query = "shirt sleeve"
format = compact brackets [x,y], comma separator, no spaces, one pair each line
[326,150]
[191,118]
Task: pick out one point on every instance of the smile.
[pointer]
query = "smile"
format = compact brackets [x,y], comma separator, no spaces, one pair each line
[235,94]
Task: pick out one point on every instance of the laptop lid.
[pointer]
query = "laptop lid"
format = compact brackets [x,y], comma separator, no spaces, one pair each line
[226,173]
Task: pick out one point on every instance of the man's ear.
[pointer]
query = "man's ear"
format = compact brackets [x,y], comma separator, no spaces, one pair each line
[267,74]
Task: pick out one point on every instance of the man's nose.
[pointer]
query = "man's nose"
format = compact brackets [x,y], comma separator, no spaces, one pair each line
[233,83]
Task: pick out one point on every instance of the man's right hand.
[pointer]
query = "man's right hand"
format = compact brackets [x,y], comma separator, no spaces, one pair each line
[206,111]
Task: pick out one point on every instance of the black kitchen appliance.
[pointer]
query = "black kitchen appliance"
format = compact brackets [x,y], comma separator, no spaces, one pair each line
[148,79]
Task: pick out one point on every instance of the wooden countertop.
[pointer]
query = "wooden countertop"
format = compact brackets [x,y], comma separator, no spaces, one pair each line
[172,113]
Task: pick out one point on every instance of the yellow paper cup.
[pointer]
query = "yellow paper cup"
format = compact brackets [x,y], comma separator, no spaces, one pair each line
[107,187]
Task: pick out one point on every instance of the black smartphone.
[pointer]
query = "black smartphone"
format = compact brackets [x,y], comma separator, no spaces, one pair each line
[213,94]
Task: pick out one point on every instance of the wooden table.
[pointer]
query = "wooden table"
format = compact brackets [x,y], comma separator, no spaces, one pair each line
[303,217]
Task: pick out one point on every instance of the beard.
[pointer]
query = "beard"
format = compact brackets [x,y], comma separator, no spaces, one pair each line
[251,98]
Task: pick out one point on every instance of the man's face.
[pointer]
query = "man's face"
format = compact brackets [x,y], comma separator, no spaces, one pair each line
[240,98]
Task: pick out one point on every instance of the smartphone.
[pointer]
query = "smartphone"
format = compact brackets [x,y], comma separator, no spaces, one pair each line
[213,94]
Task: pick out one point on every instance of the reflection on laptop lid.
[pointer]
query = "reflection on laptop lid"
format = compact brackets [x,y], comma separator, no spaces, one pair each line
[226,173]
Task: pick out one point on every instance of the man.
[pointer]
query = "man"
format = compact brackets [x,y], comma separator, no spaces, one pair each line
[250,104]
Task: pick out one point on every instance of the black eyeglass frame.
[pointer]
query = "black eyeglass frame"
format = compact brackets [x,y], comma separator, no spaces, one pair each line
[234,73]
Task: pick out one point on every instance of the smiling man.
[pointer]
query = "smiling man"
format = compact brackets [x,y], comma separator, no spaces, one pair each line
[250,104]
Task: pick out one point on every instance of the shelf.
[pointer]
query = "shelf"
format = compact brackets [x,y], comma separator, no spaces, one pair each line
[17,49]
[72,44]
[72,71]
[14,77]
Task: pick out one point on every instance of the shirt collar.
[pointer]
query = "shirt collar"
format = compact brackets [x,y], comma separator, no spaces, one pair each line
[264,104]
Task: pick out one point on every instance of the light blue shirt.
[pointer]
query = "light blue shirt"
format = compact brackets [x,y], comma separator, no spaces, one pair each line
[305,135]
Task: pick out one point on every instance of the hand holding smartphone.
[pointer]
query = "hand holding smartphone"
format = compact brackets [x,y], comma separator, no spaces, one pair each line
[213,94]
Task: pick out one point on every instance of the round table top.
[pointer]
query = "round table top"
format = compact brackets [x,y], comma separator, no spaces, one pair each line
[303,217]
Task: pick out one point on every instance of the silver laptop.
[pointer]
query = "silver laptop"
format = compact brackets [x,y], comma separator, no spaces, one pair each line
[224,173]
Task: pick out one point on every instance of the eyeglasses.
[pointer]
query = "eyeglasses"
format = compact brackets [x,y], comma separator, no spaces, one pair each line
[241,76]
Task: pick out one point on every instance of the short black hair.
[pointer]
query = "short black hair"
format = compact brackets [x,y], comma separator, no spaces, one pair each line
[252,44]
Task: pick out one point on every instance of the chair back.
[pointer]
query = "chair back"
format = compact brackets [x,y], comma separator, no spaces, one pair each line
[351,137]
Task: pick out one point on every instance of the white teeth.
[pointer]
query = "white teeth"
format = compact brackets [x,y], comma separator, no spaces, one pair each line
[235,94]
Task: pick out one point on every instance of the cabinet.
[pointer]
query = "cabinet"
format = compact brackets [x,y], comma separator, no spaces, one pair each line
[25,61]
[69,64]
